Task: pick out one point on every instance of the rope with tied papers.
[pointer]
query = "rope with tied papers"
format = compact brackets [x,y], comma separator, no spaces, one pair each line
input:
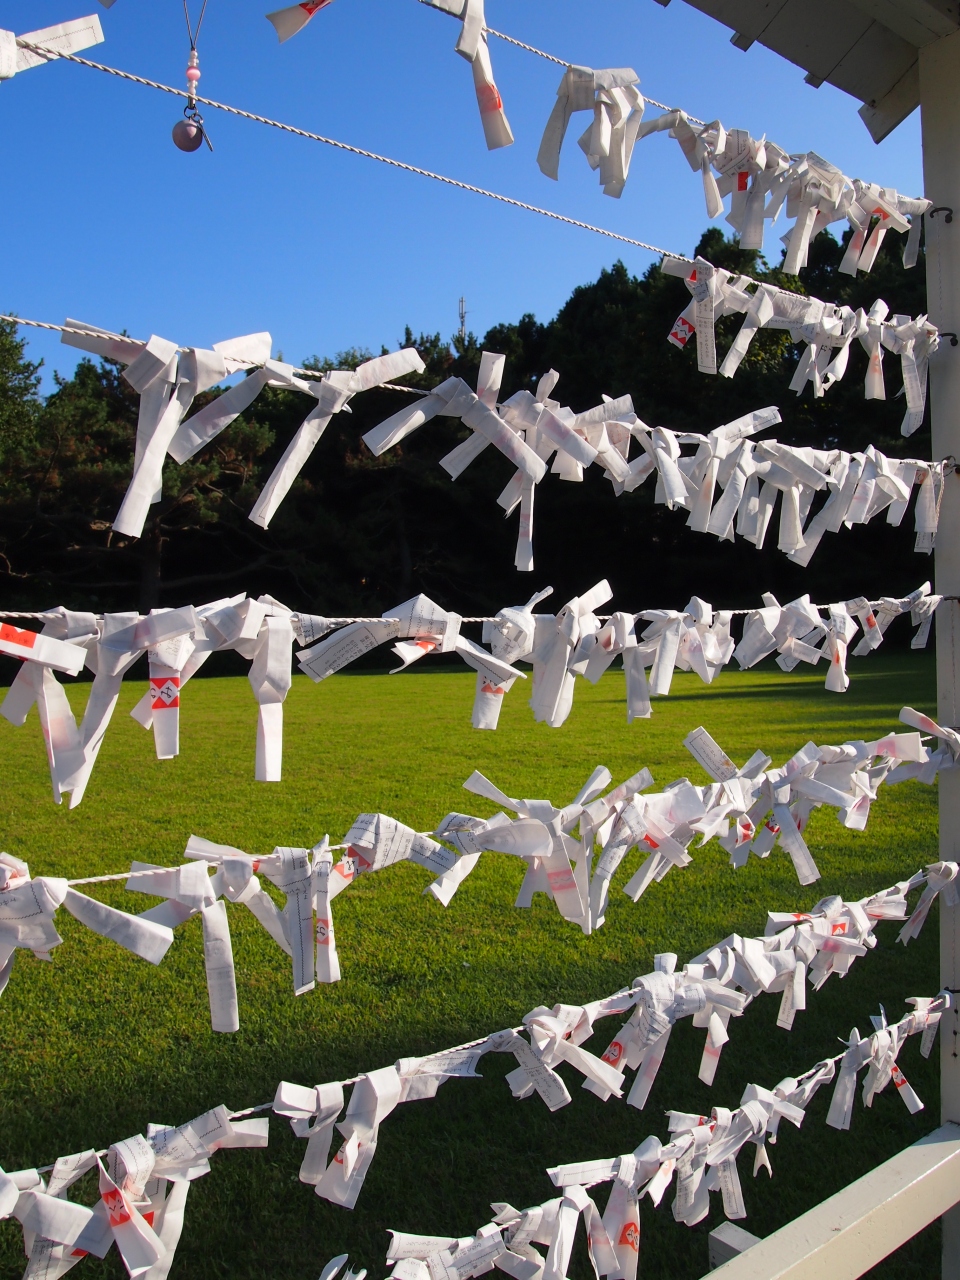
[749,809]
[760,177]
[577,642]
[144,1185]
[531,428]
[702,1153]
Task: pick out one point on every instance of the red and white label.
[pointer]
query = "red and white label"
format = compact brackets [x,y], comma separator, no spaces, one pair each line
[560,881]
[682,332]
[488,98]
[613,1054]
[324,933]
[13,635]
[630,1236]
[165,692]
[116,1208]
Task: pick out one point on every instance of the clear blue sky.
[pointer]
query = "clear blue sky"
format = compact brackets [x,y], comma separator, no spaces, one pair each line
[106,221]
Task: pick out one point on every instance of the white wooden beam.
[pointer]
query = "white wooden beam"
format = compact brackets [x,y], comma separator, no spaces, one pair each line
[916,21]
[854,1230]
[940,121]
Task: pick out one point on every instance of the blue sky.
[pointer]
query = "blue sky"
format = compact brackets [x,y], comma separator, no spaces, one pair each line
[107,222]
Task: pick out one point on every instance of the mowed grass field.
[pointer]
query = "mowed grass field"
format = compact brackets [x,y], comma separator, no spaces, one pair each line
[98,1043]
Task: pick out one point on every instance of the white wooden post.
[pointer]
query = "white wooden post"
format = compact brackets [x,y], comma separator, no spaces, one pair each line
[940,118]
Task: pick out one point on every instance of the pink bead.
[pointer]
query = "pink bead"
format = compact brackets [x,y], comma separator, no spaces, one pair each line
[193,73]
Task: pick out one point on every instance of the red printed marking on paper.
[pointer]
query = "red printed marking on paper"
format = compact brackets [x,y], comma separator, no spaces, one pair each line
[310,7]
[338,1158]
[561,880]
[613,1054]
[649,841]
[324,933]
[682,332]
[116,1208]
[490,688]
[630,1236]
[742,180]
[897,1076]
[13,635]
[165,692]
[488,97]
[839,928]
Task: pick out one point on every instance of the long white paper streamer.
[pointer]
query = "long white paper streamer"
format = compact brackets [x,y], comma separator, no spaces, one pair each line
[63,37]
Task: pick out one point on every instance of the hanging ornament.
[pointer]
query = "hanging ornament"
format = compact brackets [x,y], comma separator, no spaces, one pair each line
[189,133]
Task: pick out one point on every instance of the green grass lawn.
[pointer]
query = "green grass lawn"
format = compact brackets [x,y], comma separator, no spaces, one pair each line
[98,1043]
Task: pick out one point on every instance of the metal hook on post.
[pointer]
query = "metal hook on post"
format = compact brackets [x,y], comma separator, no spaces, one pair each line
[944,209]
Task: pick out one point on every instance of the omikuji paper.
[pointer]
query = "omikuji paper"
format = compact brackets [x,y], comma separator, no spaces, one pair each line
[63,37]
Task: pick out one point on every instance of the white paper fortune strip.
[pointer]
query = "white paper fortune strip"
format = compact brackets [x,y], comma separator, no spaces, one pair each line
[143,1191]
[472,45]
[702,1151]
[749,810]
[64,37]
[617,106]
[702,1154]
[28,908]
[820,487]
[762,179]
[177,643]
[575,642]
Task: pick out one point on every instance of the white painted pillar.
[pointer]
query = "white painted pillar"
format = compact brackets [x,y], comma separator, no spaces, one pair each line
[940,116]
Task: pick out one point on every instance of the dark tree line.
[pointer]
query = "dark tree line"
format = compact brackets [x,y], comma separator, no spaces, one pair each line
[359,534]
